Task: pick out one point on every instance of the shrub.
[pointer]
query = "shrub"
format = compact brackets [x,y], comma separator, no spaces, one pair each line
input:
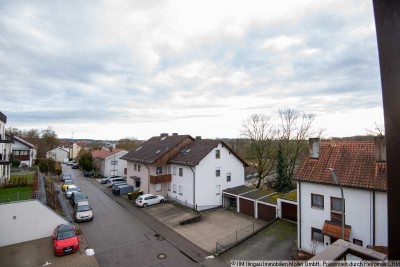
[16,163]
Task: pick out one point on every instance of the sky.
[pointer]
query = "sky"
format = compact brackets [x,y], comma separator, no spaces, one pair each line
[116,69]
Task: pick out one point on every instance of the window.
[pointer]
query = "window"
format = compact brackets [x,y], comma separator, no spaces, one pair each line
[218,190]
[135,167]
[317,201]
[357,242]
[180,171]
[114,162]
[217,154]
[168,169]
[316,235]
[158,187]
[174,188]
[159,170]
[228,177]
[174,170]
[218,172]
[169,186]
[336,210]
[180,190]
[138,167]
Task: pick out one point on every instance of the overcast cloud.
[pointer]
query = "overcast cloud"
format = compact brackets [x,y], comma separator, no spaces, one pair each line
[112,69]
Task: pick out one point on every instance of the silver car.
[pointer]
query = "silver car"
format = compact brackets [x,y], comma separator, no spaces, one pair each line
[83,211]
[70,189]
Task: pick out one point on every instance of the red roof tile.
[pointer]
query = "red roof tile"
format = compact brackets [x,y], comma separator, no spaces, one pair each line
[104,152]
[353,161]
[334,230]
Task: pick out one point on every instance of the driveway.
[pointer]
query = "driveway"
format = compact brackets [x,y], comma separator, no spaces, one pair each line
[118,235]
[276,242]
[215,226]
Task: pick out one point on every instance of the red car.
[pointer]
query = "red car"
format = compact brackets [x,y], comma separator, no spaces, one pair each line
[65,240]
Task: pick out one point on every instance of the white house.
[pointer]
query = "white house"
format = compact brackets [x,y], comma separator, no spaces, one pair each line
[109,162]
[58,154]
[24,151]
[361,168]
[194,172]
[5,150]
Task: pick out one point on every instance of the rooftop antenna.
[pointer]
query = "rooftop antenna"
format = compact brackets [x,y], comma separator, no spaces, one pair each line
[72,137]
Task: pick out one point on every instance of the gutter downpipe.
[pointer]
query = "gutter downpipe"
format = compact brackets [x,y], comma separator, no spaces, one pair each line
[148,180]
[194,187]
[373,218]
[299,207]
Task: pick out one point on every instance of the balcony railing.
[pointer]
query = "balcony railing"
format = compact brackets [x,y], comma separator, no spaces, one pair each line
[6,159]
[340,249]
[159,179]
[9,140]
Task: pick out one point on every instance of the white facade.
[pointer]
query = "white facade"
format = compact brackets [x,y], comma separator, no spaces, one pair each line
[139,177]
[24,151]
[74,150]
[5,151]
[26,220]
[113,165]
[58,154]
[207,186]
[360,214]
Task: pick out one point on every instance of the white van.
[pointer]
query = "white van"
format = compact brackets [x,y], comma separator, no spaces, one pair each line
[83,211]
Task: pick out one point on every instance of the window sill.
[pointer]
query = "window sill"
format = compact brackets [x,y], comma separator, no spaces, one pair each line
[318,208]
[317,241]
[180,194]
[218,194]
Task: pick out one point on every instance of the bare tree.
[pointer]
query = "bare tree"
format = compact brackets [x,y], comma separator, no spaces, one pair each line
[128,143]
[294,131]
[261,133]
[379,130]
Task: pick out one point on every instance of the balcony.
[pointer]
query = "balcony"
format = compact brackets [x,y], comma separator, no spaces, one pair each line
[7,140]
[6,160]
[159,179]
[22,157]
[342,249]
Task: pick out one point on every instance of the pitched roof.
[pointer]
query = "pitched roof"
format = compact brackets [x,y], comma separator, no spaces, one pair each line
[104,152]
[353,161]
[335,230]
[197,150]
[24,142]
[155,148]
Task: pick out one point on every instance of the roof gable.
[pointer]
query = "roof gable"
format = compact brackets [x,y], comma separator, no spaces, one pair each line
[353,161]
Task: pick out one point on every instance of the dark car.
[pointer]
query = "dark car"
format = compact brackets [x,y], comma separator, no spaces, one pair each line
[75,165]
[65,176]
[76,196]
[88,173]
[65,240]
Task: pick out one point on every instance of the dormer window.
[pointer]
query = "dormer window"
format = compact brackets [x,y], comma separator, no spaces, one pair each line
[158,151]
[163,138]
[137,149]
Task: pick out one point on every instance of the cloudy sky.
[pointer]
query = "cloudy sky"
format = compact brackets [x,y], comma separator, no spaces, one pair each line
[115,69]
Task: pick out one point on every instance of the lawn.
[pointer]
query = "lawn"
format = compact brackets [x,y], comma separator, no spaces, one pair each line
[28,176]
[15,194]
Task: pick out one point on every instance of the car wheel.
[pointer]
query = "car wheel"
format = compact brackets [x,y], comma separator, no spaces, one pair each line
[162,201]
[145,205]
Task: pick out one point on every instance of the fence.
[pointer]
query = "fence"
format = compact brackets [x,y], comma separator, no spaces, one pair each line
[183,203]
[237,237]
[17,196]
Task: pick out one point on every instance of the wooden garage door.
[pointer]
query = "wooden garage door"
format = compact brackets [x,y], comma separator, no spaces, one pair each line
[289,211]
[266,212]
[246,206]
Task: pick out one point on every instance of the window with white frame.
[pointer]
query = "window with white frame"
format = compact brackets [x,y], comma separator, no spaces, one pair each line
[135,167]
[174,188]
[228,177]
[174,170]
[316,235]
[218,190]
[217,154]
[218,172]
[138,167]
[169,186]
[114,162]
[158,187]
[317,201]
[181,172]
[180,190]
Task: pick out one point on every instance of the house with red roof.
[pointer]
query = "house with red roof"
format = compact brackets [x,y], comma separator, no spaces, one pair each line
[361,169]
[108,161]
[192,171]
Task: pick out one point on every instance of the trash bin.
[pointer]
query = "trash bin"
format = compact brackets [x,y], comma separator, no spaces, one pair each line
[130,196]
[140,192]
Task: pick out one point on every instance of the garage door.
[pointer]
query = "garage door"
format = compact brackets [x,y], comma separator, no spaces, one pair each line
[289,211]
[246,206]
[266,212]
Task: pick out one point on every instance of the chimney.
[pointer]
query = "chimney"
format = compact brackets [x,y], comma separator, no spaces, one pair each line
[198,137]
[163,134]
[315,147]
[380,148]
[174,134]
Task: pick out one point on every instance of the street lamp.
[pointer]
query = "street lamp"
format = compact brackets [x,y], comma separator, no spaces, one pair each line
[337,181]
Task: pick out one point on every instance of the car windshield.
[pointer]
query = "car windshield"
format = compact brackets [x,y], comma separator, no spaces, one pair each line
[83,208]
[68,182]
[72,189]
[64,234]
[139,198]
[79,196]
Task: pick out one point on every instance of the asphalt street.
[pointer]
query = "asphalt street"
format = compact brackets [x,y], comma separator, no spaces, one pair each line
[118,237]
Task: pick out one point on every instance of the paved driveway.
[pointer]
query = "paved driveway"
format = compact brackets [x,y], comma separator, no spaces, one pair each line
[118,237]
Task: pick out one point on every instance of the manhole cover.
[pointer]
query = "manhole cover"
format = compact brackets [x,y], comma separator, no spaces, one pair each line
[162,256]
[160,238]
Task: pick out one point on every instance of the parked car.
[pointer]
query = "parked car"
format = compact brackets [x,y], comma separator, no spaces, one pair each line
[88,173]
[65,184]
[105,180]
[115,180]
[83,211]
[149,199]
[70,189]
[75,165]
[65,240]
[65,176]
[76,197]
[115,184]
